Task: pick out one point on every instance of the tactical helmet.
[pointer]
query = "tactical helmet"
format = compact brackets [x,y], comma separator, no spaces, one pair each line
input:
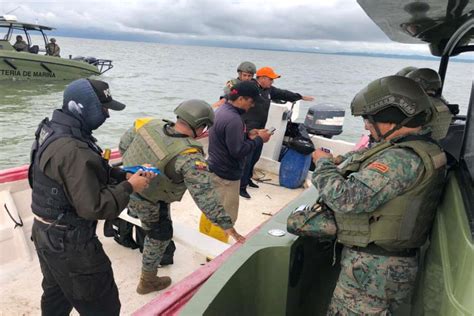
[404,71]
[247,66]
[392,91]
[428,79]
[195,113]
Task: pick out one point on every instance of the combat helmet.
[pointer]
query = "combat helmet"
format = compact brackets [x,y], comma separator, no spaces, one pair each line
[405,70]
[392,99]
[196,113]
[428,79]
[247,66]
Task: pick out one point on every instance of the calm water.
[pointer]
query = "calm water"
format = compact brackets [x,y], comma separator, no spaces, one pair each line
[152,79]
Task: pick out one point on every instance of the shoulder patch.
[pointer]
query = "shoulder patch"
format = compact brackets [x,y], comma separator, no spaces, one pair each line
[378,166]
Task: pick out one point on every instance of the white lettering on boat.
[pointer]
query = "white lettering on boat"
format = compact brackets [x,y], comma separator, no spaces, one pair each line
[26,73]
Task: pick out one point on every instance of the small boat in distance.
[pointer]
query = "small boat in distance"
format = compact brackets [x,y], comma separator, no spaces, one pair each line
[30,64]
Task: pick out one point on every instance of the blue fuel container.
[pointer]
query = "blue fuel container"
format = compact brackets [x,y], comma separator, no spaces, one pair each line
[294,168]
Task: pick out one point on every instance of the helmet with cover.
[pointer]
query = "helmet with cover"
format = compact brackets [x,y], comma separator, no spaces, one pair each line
[392,99]
[405,70]
[247,66]
[428,79]
[196,113]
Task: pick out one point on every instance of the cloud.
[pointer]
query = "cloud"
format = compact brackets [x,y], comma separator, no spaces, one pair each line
[257,23]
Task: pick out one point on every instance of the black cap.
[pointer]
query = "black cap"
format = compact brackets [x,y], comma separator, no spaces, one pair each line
[102,91]
[246,89]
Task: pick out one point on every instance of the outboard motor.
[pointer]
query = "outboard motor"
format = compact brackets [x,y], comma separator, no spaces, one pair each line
[324,120]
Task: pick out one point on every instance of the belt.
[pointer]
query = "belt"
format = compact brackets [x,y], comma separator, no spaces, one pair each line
[373,249]
[48,221]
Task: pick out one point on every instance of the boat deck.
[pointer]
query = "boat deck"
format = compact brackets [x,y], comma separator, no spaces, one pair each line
[21,281]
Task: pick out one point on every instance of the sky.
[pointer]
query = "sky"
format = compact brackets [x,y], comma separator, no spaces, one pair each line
[309,25]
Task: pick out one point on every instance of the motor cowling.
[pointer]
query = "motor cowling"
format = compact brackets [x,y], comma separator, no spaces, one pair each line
[324,120]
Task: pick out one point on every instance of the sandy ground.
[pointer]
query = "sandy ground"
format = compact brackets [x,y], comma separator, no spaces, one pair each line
[20,290]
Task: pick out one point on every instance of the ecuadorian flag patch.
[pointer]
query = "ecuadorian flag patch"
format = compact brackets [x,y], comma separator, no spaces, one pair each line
[200,165]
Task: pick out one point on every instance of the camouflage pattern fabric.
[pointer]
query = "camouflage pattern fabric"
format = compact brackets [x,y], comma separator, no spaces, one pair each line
[371,284]
[153,249]
[314,221]
[197,178]
[391,173]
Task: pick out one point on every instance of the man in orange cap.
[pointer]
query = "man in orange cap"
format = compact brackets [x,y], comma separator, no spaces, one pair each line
[256,118]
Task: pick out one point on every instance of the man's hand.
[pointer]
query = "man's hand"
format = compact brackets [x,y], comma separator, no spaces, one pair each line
[219,103]
[319,153]
[234,234]
[307,98]
[140,180]
[252,134]
[264,135]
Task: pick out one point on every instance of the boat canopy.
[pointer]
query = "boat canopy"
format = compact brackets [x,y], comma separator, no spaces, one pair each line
[436,22]
[11,22]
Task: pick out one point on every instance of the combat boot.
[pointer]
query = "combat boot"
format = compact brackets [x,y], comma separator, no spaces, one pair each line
[150,282]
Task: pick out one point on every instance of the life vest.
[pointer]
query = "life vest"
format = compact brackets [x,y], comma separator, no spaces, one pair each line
[153,145]
[49,200]
[403,222]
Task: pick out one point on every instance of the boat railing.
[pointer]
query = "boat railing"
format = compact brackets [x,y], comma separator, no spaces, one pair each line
[103,65]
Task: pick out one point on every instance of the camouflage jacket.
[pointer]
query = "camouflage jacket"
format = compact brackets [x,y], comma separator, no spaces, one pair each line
[392,172]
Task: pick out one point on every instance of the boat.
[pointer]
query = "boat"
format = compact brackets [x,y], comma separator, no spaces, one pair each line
[283,274]
[275,272]
[33,64]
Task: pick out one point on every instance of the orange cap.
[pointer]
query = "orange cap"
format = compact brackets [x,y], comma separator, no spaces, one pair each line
[267,72]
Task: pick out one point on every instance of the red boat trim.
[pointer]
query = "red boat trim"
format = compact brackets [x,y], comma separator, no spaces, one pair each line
[175,298]
[21,173]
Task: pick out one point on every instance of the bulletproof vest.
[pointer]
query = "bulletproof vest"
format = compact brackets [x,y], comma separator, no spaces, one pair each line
[49,200]
[403,222]
[440,120]
[153,145]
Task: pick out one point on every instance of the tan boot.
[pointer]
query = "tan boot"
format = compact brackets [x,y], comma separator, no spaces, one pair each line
[150,282]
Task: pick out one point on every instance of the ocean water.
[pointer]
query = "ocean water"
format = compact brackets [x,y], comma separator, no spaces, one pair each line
[152,79]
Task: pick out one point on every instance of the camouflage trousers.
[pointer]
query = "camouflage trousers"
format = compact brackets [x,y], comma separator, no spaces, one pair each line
[156,221]
[372,284]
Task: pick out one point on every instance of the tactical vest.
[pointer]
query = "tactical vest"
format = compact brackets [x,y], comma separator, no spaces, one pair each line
[152,145]
[403,222]
[440,120]
[49,200]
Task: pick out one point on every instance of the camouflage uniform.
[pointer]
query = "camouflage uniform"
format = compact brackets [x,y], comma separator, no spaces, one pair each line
[368,283]
[155,217]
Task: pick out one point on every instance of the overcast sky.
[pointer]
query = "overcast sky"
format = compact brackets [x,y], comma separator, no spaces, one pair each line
[325,25]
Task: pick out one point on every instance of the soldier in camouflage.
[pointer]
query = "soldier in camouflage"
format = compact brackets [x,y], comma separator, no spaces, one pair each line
[171,148]
[384,198]
[246,70]
[441,116]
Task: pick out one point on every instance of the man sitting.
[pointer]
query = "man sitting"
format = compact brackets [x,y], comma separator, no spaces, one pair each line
[20,45]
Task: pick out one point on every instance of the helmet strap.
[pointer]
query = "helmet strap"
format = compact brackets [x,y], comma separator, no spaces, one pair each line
[397,127]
